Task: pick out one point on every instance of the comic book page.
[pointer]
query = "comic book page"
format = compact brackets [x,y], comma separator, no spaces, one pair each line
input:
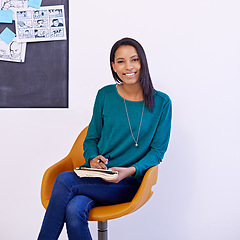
[14,52]
[44,24]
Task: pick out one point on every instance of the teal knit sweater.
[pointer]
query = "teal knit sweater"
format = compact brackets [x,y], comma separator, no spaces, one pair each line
[109,133]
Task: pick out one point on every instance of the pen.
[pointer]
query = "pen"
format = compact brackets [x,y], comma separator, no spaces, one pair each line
[108,158]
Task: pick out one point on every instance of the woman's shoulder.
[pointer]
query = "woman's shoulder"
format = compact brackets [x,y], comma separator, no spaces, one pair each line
[161,96]
[107,89]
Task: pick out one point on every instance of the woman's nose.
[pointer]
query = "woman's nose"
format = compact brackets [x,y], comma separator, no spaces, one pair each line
[129,66]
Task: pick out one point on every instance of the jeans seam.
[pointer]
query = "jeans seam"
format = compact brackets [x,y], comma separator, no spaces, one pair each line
[90,237]
[69,198]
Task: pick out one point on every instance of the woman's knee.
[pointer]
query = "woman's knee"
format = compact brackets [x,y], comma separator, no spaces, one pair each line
[78,209]
[64,179]
[62,183]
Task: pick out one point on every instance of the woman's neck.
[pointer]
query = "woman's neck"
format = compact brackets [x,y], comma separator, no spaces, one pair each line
[131,92]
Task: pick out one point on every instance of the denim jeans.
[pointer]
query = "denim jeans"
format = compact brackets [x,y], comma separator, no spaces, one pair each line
[73,197]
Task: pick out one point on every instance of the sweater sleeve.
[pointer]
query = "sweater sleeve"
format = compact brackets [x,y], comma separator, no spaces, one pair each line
[158,145]
[94,131]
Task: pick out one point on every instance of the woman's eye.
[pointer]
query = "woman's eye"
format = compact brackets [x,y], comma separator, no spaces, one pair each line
[120,61]
[135,59]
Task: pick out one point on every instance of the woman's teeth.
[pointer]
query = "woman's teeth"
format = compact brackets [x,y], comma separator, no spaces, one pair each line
[129,74]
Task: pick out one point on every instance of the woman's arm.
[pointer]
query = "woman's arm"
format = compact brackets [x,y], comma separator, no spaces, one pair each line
[122,173]
[159,143]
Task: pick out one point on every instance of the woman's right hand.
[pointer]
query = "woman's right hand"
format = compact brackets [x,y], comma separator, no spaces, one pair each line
[99,162]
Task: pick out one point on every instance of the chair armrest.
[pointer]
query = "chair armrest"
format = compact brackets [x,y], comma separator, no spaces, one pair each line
[145,192]
[50,175]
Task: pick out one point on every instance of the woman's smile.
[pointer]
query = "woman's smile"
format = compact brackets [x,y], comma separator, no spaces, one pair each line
[130,75]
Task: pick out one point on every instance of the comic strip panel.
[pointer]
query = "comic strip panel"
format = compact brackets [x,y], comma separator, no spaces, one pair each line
[24,15]
[57,22]
[41,33]
[25,34]
[55,13]
[14,52]
[41,23]
[57,32]
[40,14]
[45,24]
[25,24]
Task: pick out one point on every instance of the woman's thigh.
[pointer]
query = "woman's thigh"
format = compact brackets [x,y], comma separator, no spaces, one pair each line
[102,192]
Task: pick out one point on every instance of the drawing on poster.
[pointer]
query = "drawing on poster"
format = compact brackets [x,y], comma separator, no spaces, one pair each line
[44,24]
[13,5]
[14,52]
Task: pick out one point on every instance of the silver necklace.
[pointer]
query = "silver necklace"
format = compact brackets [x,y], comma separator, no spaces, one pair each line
[135,140]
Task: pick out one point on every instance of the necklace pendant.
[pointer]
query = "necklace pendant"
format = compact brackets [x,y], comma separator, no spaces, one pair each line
[136,145]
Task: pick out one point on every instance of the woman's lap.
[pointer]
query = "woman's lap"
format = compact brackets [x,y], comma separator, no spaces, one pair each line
[73,197]
[100,191]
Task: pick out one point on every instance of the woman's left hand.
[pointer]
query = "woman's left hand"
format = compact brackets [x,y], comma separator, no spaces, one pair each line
[123,172]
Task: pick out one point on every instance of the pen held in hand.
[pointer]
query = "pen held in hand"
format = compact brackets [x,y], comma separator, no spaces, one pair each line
[106,162]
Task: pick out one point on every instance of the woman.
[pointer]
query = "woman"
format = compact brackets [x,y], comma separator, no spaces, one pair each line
[129,132]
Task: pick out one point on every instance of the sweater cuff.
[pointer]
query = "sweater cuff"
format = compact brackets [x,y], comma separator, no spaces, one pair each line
[136,174]
[87,161]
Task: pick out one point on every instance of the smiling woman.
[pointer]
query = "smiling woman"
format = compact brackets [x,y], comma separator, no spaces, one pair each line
[127,66]
[131,49]
[128,133]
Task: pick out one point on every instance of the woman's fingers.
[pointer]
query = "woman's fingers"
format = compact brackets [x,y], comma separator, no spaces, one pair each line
[99,162]
[102,159]
[102,165]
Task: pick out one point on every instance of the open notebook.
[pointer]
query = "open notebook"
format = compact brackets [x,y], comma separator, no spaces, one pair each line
[94,172]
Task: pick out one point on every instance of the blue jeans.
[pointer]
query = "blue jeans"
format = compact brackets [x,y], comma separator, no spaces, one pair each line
[73,197]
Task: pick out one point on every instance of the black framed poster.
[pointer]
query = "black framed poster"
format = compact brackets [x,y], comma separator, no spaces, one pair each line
[41,79]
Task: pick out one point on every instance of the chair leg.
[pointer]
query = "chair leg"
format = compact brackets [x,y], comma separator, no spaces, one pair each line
[102,230]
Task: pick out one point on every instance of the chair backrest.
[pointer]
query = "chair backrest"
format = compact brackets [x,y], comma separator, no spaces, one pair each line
[76,152]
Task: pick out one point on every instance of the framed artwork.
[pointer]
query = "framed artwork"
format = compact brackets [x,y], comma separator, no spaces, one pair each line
[34,69]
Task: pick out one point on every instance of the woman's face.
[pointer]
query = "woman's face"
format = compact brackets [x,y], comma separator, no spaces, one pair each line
[127,64]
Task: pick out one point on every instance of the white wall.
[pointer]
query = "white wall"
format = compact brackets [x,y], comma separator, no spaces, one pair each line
[193,53]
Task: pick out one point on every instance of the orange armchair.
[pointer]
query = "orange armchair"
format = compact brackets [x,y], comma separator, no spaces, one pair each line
[102,213]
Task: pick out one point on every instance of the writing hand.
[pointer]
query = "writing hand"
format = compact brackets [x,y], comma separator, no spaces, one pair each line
[99,162]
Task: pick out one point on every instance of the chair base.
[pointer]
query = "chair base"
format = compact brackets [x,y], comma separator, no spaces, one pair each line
[102,230]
